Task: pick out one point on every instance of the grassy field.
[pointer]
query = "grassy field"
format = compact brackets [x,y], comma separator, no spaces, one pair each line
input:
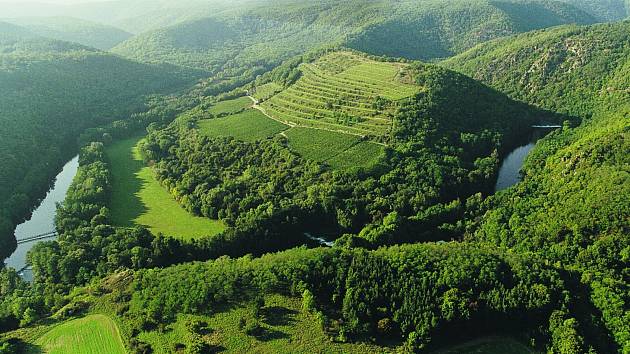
[488,345]
[94,334]
[250,125]
[286,329]
[139,199]
[337,150]
[344,92]
[264,92]
[231,106]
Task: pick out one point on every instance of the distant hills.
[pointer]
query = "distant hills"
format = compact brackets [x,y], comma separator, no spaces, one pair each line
[70,29]
[266,35]
[538,67]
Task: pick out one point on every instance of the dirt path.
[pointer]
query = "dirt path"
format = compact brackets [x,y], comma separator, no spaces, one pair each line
[293,125]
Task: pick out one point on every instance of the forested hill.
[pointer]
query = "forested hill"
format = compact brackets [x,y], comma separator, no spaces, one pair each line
[11,33]
[73,30]
[573,205]
[50,91]
[429,30]
[604,10]
[261,37]
[569,68]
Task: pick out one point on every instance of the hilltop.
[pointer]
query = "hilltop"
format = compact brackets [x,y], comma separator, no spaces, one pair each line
[261,37]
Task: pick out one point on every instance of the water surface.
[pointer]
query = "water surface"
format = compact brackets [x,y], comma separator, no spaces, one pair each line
[43,219]
[510,171]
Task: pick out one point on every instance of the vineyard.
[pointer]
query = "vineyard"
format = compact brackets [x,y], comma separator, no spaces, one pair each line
[337,150]
[343,92]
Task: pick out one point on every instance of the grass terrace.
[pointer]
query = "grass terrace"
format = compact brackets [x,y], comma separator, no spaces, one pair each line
[343,92]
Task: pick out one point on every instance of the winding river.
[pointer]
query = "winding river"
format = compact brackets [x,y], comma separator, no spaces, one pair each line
[42,219]
[510,171]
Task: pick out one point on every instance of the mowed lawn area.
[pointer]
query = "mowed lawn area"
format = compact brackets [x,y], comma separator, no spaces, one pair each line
[250,125]
[139,199]
[94,334]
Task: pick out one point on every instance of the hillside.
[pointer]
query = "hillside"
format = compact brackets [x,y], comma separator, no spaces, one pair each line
[50,92]
[435,29]
[537,67]
[344,92]
[604,10]
[579,175]
[73,30]
[261,37]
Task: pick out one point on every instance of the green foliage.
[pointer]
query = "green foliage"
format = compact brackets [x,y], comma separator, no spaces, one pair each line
[250,125]
[573,204]
[439,29]
[94,333]
[74,30]
[138,199]
[567,69]
[51,91]
[366,287]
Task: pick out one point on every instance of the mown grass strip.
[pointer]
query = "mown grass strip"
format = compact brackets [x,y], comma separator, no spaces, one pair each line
[139,199]
[93,334]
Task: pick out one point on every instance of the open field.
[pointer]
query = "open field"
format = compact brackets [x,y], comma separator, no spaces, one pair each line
[139,199]
[344,92]
[250,125]
[93,334]
[230,106]
[488,345]
[338,150]
[263,92]
[285,329]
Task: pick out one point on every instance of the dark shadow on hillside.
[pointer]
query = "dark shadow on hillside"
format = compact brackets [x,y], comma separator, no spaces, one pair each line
[269,334]
[278,316]
[125,204]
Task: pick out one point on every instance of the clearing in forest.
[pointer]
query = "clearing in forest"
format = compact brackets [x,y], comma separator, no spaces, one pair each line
[139,199]
[250,125]
[344,92]
[90,335]
[230,106]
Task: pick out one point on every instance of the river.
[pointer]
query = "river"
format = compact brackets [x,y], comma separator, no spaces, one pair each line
[42,219]
[510,171]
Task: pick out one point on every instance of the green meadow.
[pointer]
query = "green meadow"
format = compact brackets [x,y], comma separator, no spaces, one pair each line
[284,328]
[337,150]
[139,199]
[94,334]
[231,106]
[250,125]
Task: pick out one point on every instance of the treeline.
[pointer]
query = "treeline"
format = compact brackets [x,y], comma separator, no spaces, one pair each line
[446,148]
[573,205]
[51,91]
[421,294]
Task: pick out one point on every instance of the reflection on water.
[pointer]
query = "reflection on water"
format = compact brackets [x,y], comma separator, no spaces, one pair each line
[42,220]
[509,173]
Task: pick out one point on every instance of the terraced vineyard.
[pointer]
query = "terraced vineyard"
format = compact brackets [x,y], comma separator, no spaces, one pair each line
[344,92]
